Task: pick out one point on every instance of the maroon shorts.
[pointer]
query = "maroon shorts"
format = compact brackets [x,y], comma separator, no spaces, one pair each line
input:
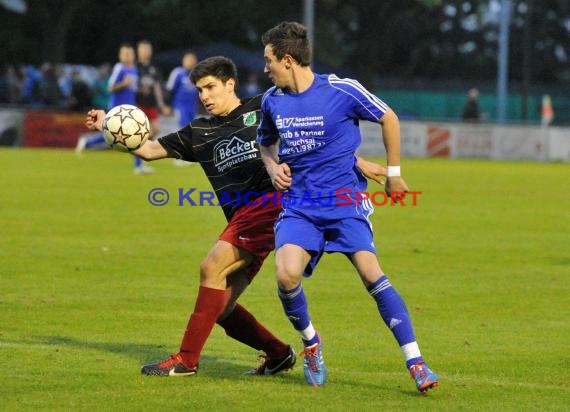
[251,229]
[151,112]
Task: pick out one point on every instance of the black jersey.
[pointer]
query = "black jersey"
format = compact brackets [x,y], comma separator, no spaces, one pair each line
[227,150]
[148,77]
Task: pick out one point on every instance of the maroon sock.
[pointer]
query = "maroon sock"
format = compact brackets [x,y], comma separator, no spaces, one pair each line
[209,306]
[243,327]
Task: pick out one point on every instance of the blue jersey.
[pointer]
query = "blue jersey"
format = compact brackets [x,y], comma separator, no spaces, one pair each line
[318,134]
[184,93]
[128,94]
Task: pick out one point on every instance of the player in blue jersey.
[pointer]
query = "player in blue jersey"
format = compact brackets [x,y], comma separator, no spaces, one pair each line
[308,136]
[124,78]
[183,93]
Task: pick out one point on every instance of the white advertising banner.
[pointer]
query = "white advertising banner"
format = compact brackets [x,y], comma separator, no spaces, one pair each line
[461,140]
[11,126]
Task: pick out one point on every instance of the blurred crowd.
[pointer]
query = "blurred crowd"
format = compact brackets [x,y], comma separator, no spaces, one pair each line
[68,87]
[61,86]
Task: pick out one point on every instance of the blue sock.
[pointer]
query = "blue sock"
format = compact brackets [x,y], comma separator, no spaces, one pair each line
[94,141]
[395,315]
[295,305]
[138,161]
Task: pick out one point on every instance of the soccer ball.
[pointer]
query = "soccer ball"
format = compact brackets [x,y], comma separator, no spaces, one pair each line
[126,128]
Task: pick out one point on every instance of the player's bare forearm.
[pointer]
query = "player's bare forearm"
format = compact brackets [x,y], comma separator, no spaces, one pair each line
[279,173]
[159,96]
[391,137]
[370,170]
[269,155]
[151,150]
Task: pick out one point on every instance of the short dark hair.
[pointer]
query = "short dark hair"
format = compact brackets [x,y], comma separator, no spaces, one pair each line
[289,38]
[219,67]
[127,45]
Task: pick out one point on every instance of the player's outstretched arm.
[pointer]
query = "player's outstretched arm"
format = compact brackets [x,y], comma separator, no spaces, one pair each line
[391,137]
[370,170]
[279,173]
[151,150]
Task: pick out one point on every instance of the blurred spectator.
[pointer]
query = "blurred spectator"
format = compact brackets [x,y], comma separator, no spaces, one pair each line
[101,87]
[4,85]
[30,85]
[50,93]
[471,112]
[80,98]
[547,111]
[64,80]
[15,79]
[251,87]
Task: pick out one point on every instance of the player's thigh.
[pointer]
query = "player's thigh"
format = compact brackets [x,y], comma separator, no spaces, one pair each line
[223,259]
[291,261]
[366,263]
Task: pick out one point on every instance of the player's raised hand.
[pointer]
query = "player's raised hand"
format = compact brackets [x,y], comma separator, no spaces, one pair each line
[94,119]
[396,187]
[281,176]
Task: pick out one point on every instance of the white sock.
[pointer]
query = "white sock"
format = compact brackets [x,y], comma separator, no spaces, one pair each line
[308,333]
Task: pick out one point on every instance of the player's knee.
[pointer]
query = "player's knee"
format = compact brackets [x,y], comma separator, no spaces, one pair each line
[287,277]
[208,271]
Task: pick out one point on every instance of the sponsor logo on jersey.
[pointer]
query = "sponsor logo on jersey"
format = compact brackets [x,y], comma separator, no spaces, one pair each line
[249,118]
[307,121]
[232,151]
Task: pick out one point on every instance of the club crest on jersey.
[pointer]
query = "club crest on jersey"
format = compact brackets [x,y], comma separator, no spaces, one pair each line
[232,151]
[249,118]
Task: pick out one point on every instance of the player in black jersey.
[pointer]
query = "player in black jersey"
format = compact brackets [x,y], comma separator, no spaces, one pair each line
[149,96]
[226,148]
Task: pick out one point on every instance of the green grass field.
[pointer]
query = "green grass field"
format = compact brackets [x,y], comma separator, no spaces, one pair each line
[95,282]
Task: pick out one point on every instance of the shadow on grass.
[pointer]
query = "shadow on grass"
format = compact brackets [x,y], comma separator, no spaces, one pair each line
[141,352]
[210,366]
[146,353]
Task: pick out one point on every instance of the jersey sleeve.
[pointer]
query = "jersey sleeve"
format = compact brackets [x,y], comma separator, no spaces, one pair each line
[172,82]
[363,104]
[116,74]
[267,133]
[179,144]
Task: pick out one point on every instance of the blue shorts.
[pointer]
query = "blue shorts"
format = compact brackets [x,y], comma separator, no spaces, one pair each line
[317,234]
